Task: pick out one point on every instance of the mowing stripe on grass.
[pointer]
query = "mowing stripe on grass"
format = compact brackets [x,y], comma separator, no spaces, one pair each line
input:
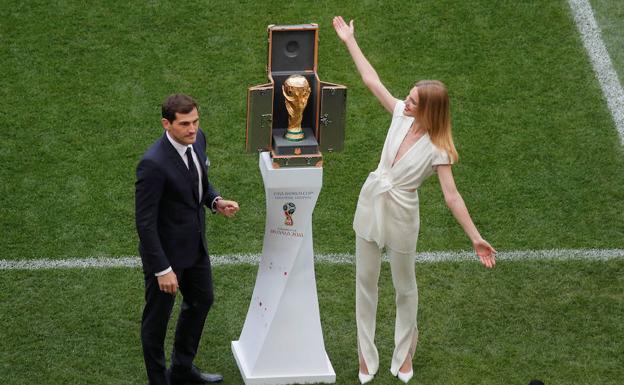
[605,72]
[239,259]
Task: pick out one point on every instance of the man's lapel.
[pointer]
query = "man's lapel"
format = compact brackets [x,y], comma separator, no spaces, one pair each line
[175,158]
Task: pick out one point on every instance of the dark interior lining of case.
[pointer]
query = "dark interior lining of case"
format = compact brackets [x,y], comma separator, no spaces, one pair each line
[293,50]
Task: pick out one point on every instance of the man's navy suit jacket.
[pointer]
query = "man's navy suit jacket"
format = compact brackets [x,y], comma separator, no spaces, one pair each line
[169,218]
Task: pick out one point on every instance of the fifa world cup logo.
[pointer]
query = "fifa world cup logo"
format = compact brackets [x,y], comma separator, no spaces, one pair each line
[296,91]
[289,210]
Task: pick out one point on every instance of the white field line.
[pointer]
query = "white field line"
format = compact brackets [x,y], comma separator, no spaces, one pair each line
[253,259]
[608,78]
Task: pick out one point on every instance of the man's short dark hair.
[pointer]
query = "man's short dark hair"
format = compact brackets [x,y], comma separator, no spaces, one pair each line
[179,103]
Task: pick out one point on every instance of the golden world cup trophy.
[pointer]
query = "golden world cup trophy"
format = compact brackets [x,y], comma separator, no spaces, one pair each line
[296,91]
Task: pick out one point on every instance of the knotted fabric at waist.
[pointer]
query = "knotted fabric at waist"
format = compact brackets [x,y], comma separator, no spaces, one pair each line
[388,218]
[379,183]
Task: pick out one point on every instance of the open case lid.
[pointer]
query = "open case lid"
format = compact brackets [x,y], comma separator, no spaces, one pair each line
[292,48]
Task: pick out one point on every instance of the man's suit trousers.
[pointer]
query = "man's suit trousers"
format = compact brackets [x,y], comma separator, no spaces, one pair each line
[195,284]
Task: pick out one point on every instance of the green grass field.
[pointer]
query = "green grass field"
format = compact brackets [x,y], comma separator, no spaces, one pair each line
[609,15]
[82,88]
[540,168]
[558,321]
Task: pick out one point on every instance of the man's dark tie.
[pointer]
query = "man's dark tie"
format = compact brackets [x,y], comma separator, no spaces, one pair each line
[193,172]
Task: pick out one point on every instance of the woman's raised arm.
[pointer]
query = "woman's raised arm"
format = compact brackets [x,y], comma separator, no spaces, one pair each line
[369,76]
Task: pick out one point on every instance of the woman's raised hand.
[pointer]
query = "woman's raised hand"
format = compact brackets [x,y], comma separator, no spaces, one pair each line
[343,30]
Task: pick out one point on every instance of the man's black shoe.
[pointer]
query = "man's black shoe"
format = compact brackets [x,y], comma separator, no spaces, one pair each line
[193,376]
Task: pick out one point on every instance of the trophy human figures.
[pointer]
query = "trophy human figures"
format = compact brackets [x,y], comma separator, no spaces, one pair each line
[296,91]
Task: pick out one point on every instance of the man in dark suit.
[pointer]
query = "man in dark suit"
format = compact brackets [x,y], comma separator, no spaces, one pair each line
[172,188]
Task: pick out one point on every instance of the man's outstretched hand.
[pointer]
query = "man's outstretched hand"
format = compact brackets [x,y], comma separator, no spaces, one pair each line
[226,208]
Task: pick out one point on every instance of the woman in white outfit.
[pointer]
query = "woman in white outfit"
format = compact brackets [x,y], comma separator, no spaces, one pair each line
[418,144]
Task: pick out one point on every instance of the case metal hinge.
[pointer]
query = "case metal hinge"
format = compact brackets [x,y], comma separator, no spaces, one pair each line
[266,118]
[325,120]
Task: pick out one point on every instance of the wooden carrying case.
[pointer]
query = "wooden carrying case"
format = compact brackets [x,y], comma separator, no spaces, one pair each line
[293,49]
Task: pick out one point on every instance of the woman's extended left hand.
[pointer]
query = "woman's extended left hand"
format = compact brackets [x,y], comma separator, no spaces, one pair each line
[486,253]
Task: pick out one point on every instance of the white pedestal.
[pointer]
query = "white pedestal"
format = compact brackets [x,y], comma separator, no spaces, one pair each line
[282,341]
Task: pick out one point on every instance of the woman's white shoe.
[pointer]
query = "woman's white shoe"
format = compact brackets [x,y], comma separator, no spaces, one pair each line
[364,378]
[405,377]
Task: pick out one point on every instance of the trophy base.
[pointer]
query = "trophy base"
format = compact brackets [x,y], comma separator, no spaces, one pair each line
[283,146]
[294,136]
[308,160]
